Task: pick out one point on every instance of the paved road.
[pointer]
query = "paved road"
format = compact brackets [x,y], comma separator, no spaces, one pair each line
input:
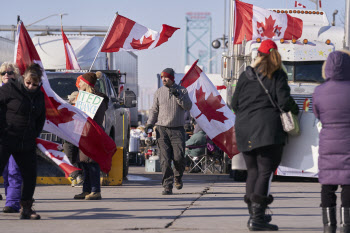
[207,203]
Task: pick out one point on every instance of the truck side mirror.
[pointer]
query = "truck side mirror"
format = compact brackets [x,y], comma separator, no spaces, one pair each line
[129,99]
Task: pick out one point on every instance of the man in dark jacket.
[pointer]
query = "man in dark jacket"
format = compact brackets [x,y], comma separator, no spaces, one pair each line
[169,106]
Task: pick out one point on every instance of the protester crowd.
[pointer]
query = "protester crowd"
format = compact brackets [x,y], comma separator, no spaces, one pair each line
[262,90]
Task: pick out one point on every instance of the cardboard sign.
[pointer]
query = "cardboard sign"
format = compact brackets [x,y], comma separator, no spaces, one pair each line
[88,103]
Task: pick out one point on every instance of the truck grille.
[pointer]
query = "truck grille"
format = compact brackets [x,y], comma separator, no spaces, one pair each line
[51,137]
[299,99]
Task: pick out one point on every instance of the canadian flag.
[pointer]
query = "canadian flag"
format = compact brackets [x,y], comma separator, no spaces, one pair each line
[63,119]
[125,34]
[52,150]
[71,59]
[306,104]
[210,110]
[252,22]
[298,4]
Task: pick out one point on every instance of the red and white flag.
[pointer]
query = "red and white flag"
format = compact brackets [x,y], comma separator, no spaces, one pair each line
[52,150]
[125,34]
[253,22]
[210,110]
[71,59]
[298,4]
[63,119]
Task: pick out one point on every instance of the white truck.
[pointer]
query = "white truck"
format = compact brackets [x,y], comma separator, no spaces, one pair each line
[303,60]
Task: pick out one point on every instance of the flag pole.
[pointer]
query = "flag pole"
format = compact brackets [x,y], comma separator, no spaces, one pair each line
[109,29]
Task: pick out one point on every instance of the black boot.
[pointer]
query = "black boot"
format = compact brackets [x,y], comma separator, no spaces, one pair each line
[258,221]
[27,212]
[345,220]
[329,218]
[268,217]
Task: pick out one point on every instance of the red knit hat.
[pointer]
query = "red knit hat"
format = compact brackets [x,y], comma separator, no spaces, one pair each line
[89,78]
[266,46]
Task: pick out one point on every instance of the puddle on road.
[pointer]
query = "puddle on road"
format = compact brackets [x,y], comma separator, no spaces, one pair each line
[138,178]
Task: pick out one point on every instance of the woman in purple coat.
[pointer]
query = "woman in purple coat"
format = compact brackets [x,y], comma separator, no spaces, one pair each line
[331,106]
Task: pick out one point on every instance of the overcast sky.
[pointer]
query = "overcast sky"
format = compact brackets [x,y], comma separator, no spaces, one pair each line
[152,14]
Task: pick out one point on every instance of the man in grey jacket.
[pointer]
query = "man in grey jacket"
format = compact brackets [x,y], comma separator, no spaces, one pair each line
[167,113]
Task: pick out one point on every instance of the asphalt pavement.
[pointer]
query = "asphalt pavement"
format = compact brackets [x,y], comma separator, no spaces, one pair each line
[207,203]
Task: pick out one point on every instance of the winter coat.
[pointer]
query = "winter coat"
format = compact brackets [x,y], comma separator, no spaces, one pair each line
[331,106]
[258,123]
[197,139]
[22,115]
[98,118]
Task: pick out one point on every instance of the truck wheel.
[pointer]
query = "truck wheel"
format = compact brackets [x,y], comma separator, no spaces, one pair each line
[126,156]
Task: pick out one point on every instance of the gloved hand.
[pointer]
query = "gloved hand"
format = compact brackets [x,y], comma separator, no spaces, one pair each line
[148,127]
[174,91]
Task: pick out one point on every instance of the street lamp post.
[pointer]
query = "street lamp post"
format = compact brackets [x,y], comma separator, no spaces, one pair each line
[60,15]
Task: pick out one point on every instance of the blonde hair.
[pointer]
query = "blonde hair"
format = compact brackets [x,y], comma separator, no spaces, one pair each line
[87,87]
[267,64]
[6,65]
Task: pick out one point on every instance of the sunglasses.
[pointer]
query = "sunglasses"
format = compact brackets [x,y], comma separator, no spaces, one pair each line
[7,72]
[33,84]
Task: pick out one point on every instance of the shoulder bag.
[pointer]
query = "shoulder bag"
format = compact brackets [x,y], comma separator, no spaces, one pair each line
[290,121]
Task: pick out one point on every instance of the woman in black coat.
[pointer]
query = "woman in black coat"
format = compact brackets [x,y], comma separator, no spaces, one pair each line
[259,132]
[22,118]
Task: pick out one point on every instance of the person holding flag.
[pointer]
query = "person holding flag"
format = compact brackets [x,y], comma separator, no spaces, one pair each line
[168,114]
[22,118]
[259,131]
[91,169]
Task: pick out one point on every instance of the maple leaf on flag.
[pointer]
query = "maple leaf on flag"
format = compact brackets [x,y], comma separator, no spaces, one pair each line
[55,115]
[269,29]
[209,106]
[147,41]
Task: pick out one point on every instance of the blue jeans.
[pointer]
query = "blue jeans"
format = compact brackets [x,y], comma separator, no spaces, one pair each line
[91,173]
[12,183]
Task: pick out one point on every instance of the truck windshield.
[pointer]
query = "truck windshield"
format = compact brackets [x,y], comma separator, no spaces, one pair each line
[64,84]
[310,71]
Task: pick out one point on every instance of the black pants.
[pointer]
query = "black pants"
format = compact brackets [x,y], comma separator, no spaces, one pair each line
[329,199]
[91,177]
[261,164]
[171,144]
[27,163]
[72,153]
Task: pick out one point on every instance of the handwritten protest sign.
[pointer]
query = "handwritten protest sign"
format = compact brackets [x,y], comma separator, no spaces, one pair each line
[88,103]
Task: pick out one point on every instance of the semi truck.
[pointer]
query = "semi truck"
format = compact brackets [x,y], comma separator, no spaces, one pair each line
[303,59]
